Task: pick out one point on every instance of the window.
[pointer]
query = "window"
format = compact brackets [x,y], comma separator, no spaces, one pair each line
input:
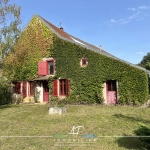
[60,87]
[46,67]
[51,67]
[17,88]
[111,85]
[84,62]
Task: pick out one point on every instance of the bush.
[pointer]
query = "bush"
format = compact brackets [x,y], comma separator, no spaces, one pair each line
[5,91]
[144,133]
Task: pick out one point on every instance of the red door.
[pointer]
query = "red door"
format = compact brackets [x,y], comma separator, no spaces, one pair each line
[111,92]
[24,89]
[45,91]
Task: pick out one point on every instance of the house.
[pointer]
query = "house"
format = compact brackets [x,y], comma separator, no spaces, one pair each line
[47,63]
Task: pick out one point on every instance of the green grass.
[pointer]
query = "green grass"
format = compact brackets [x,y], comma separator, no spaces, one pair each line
[25,124]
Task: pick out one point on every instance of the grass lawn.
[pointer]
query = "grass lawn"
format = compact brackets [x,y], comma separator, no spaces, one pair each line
[30,127]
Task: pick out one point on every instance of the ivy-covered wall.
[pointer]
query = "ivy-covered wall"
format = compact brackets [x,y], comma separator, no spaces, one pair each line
[37,41]
[21,64]
[87,82]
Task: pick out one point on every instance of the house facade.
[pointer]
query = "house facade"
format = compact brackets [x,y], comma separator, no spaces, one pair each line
[48,64]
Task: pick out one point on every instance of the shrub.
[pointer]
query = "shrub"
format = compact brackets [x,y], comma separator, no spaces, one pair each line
[5,91]
[144,132]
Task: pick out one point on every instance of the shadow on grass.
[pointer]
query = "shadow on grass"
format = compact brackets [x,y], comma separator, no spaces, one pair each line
[133,143]
[132,118]
[7,106]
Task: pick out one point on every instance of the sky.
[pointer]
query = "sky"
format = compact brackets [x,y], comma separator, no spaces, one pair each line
[122,27]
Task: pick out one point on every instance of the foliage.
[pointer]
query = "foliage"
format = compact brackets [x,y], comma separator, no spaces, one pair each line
[145,61]
[9,26]
[86,83]
[5,91]
[31,47]
[144,132]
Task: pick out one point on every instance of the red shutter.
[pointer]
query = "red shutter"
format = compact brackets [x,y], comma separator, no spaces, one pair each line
[42,68]
[24,89]
[17,89]
[55,88]
[67,87]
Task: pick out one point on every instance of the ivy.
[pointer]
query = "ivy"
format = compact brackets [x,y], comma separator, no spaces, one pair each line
[86,83]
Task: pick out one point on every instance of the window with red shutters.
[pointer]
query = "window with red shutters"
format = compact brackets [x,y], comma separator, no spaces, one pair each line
[62,85]
[46,67]
[42,68]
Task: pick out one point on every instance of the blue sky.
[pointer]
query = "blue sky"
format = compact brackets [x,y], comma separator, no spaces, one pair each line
[122,27]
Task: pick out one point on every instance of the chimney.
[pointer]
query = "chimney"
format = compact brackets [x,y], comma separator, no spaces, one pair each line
[100,47]
[61,28]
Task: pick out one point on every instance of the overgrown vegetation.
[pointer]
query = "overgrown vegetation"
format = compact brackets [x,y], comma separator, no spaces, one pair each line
[86,83]
[5,91]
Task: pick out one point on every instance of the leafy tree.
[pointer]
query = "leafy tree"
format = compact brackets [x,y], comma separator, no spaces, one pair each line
[9,32]
[145,61]
[9,26]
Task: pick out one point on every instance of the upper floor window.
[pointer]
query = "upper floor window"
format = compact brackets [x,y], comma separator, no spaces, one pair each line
[84,62]
[51,67]
[46,67]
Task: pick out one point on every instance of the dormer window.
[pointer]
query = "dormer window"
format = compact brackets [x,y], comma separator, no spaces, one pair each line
[84,62]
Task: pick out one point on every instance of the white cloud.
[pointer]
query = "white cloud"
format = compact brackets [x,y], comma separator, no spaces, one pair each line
[143,7]
[139,53]
[137,15]
[134,15]
[113,21]
[124,21]
[133,9]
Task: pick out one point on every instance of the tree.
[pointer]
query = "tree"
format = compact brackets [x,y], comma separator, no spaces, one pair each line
[145,61]
[9,26]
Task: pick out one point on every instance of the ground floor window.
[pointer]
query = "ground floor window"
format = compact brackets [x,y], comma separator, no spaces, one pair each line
[60,87]
[16,87]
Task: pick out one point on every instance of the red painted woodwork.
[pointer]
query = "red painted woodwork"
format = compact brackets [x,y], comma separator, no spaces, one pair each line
[62,85]
[45,91]
[111,97]
[17,87]
[42,68]
[32,89]
[111,92]
[55,88]
[24,89]
[67,87]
